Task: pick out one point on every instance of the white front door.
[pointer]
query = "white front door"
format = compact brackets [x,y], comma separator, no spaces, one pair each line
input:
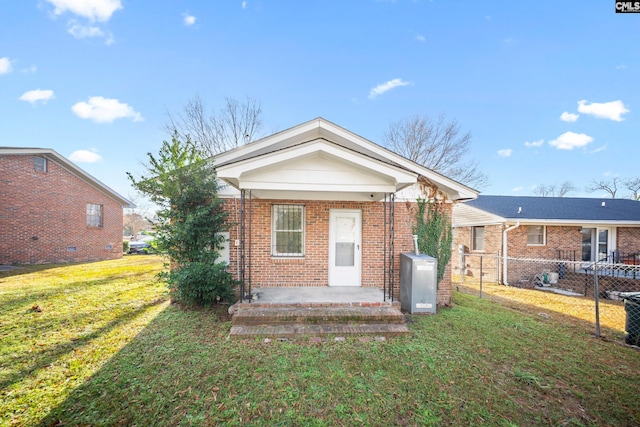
[345,242]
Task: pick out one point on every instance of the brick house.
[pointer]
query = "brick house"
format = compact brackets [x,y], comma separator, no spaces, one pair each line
[51,211]
[317,205]
[554,228]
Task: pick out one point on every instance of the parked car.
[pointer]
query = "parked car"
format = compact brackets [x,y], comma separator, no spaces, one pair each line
[139,247]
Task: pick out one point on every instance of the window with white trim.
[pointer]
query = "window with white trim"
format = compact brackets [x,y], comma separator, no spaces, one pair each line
[535,235]
[94,215]
[477,238]
[287,230]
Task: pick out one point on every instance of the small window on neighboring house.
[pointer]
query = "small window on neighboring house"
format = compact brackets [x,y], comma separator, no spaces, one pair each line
[535,235]
[40,164]
[287,230]
[94,215]
[477,238]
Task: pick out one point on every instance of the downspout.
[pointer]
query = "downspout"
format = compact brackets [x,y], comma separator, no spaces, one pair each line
[504,252]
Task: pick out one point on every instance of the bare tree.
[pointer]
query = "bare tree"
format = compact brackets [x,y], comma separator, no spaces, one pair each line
[545,190]
[237,123]
[633,185]
[565,188]
[134,223]
[436,144]
[138,219]
[610,186]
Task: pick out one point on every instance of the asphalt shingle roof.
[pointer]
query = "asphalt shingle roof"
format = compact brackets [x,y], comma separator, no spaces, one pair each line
[560,208]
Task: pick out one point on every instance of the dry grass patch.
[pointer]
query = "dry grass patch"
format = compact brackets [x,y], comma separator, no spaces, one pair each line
[578,309]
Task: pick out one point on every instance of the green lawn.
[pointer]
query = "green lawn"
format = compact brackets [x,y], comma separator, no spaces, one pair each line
[108,349]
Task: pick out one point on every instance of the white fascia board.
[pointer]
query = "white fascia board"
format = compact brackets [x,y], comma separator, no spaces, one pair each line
[318,195]
[468,216]
[573,222]
[336,188]
[459,224]
[226,191]
[320,127]
[233,172]
[309,129]
[455,190]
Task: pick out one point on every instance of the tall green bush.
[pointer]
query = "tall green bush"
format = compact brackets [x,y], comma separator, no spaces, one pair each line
[190,221]
[434,233]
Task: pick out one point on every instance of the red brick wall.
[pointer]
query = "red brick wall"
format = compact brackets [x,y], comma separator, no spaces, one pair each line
[312,270]
[565,238]
[51,206]
[628,240]
[471,267]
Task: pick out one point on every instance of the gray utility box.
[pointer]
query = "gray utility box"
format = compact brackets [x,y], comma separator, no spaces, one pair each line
[418,283]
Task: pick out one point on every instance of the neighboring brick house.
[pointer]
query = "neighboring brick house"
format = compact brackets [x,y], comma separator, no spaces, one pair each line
[317,205]
[51,211]
[554,228]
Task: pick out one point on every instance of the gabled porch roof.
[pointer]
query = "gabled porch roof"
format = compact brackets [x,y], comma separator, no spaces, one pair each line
[321,161]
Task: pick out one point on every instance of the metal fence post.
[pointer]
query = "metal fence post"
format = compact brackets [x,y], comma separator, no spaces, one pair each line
[480,276]
[596,296]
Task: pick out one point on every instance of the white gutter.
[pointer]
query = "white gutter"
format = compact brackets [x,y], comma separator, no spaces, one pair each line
[504,251]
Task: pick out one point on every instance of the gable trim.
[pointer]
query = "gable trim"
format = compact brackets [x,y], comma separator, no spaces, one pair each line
[322,129]
[69,167]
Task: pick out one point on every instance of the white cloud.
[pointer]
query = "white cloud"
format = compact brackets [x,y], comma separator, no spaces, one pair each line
[517,189]
[83,31]
[93,10]
[604,110]
[570,140]
[5,65]
[599,149]
[36,95]
[31,69]
[505,152]
[244,4]
[621,67]
[105,110]
[537,143]
[85,156]
[384,87]
[188,19]
[421,38]
[569,117]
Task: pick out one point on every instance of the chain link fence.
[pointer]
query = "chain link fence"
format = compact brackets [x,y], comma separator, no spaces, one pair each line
[602,296]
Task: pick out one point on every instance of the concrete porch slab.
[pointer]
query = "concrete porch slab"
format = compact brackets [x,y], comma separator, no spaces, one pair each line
[333,294]
[558,291]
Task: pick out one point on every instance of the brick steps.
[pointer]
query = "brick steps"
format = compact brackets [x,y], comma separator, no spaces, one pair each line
[316,315]
[253,321]
[298,330]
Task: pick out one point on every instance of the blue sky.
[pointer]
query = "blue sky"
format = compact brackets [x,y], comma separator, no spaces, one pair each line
[549,90]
